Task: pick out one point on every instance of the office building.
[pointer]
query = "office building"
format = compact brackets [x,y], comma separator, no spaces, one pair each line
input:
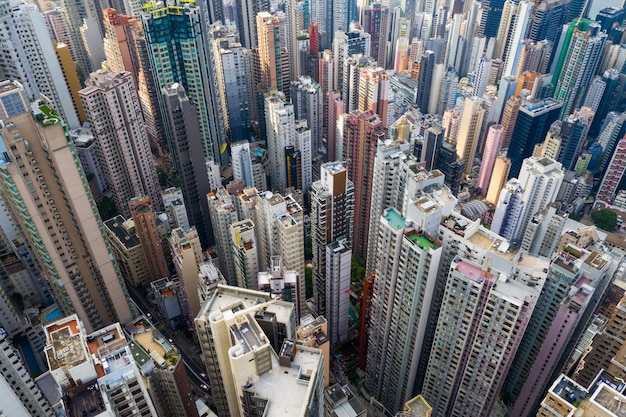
[121,138]
[21,397]
[547,19]
[614,174]
[472,349]
[182,131]
[270,328]
[332,211]
[89,284]
[31,44]
[533,121]
[170,30]
[362,131]
[469,132]
[99,371]
[128,251]
[407,260]
[580,53]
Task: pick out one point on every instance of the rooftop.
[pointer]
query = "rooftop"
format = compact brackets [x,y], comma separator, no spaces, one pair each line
[421,240]
[65,344]
[472,272]
[116,226]
[611,400]
[294,380]
[394,218]
[416,407]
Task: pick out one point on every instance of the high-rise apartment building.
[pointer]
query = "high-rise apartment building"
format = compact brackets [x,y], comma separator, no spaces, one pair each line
[481,323]
[233,67]
[223,215]
[373,92]
[469,132]
[533,121]
[375,21]
[21,397]
[308,99]
[180,29]
[580,53]
[493,146]
[272,59]
[282,283]
[247,369]
[182,131]
[338,264]
[149,238]
[114,114]
[174,204]
[98,368]
[346,44]
[547,20]
[187,257]
[614,174]
[353,66]
[537,187]
[29,57]
[362,131]
[245,254]
[247,11]
[332,211]
[283,139]
[128,251]
[47,192]
[407,260]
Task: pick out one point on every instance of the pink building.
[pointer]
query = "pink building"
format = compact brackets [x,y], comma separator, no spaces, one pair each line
[493,145]
[614,174]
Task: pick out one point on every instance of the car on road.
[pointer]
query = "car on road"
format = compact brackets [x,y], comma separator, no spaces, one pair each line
[203,375]
[149,315]
[204,387]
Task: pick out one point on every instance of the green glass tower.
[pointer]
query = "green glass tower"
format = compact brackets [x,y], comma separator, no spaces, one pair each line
[177,44]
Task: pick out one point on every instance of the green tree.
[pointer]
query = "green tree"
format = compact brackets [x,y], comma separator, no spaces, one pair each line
[605,219]
[358,269]
[308,248]
[308,281]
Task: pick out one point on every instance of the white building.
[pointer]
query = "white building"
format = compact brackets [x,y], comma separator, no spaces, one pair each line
[338,264]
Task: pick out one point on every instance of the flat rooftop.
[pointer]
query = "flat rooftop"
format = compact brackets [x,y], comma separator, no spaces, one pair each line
[226,298]
[294,380]
[116,226]
[394,218]
[611,400]
[420,240]
[417,407]
[66,346]
[473,272]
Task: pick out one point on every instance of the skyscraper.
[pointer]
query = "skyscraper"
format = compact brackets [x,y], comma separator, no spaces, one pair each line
[375,21]
[332,212]
[245,254]
[469,132]
[21,397]
[182,130]
[533,121]
[338,264]
[473,349]
[233,66]
[281,133]
[114,114]
[146,229]
[28,56]
[223,215]
[247,11]
[71,247]
[580,53]
[537,187]
[493,145]
[346,44]
[272,58]
[407,260]
[614,175]
[180,29]
[362,131]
